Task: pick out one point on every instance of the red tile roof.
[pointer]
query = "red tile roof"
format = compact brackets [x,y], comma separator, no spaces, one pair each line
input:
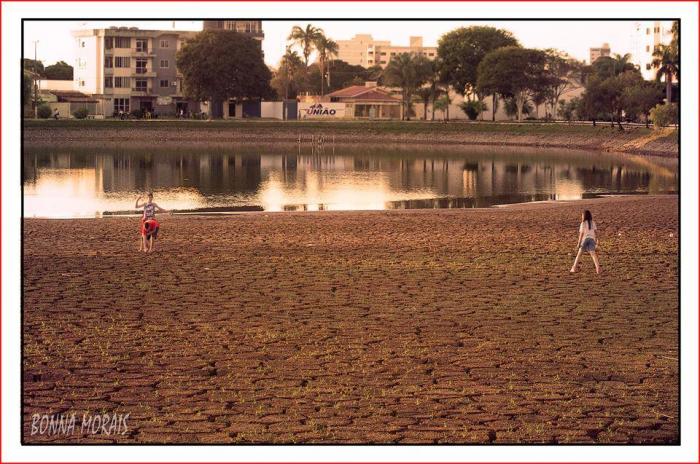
[361,92]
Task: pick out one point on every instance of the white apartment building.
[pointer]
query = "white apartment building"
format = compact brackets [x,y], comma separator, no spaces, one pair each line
[129,68]
[363,50]
[647,36]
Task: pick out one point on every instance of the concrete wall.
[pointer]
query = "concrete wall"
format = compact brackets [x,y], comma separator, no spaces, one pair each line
[86,75]
[272,110]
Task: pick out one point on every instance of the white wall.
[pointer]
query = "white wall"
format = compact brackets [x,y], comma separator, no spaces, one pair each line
[87,66]
[272,110]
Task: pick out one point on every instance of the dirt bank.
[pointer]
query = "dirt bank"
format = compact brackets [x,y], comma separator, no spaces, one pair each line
[449,326]
[636,140]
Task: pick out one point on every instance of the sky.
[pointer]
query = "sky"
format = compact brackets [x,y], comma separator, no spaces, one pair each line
[55,42]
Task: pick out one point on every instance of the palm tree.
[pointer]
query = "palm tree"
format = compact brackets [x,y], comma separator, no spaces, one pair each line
[668,66]
[408,71]
[327,48]
[305,38]
[623,63]
[424,93]
[290,67]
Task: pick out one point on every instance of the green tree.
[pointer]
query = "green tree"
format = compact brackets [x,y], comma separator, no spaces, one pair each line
[443,104]
[327,48]
[409,71]
[640,99]
[289,78]
[34,66]
[27,88]
[220,65]
[305,38]
[59,71]
[424,94]
[668,64]
[461,50]
[513,71]
[564,74]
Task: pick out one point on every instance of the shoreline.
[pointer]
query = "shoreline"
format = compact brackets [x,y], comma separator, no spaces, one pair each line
[222,214]
[634,140]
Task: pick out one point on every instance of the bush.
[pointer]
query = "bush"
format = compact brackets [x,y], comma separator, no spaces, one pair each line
[44,111]
[137,113]
[664,115]
[80,113]
[472,109]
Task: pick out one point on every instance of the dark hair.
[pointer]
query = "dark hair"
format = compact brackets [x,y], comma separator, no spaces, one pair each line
[587,216]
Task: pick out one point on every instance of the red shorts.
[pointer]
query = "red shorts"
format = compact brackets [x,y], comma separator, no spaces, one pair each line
[149,228]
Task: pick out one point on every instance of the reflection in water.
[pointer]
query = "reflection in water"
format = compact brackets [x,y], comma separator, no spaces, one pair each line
[84,184]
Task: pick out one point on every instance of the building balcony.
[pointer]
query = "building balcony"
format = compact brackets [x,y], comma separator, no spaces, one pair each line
[143,73]
[142,53]
[140,92]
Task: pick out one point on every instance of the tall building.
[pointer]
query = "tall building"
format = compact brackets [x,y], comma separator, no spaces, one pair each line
[647,36]
[250,28]
[127,69]
[363,50]
[596,53]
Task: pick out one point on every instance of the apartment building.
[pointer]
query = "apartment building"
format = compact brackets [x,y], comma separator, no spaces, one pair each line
[127,69]
[250,28]
[596,53]
[363,50]
[647,36]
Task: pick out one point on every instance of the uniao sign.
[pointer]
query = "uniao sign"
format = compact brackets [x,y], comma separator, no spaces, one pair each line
[322,110]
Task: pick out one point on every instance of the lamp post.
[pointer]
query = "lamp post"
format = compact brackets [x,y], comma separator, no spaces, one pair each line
[36,106]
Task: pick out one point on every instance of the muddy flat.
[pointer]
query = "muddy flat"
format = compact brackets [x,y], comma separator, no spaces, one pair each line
[440,326]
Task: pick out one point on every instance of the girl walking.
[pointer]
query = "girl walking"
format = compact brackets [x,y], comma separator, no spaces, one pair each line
[149,225]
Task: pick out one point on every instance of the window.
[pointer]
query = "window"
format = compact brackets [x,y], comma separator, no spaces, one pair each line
[383,61]
[431,54]
[141,85]
[370,61]
[109,43]
[648,31]
[383,53]
[121,104]
[81,83]
[164,64]
[108,62]
[392,53]
[647,47]
[164,83]
[82,63]
[141,66]
[164,44]
[141,45]
[121,82]
[122,42]
[122,62]
[648,66]
[82,43]
[109,83]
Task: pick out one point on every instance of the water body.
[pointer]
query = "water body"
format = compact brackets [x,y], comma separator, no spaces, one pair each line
[94,182]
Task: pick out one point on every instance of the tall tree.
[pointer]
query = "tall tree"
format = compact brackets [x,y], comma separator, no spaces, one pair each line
[408,71]
[305,38]
[220,65]
[34,66]
[327,48]
[564,75]
[512,71]
[639,99]
[59,71]
[461,51]
[289,78]
[666,60]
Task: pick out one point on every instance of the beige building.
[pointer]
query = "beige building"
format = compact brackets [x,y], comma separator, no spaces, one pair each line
[127,69]
[363,50]
[647,36]
[596,53]
[247,27]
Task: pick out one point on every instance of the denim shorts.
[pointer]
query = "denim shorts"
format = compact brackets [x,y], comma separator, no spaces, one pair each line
[588,245]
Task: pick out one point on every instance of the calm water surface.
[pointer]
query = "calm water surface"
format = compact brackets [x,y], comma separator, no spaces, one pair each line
[67,183]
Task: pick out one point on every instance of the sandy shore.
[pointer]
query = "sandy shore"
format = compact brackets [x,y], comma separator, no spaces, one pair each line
[634,140]
[448,326]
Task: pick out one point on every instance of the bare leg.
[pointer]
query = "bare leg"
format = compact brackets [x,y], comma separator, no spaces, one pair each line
[143,244]
[595,261]
[150,244]
[578,258]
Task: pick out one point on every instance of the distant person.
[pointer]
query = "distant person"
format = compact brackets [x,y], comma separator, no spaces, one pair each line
[149,225]
[55,113]
[587,241]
